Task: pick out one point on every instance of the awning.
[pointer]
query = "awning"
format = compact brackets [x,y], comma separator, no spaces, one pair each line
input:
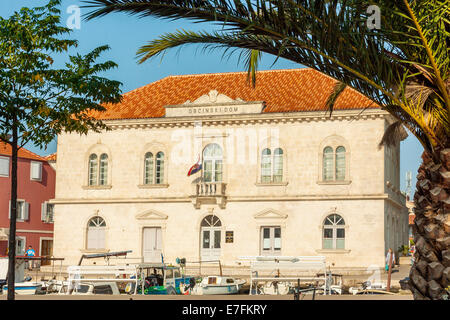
[4,234]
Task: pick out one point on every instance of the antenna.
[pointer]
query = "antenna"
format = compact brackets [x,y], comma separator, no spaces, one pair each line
[408,182]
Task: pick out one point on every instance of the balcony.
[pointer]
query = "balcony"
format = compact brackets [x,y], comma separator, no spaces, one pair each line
[209,193]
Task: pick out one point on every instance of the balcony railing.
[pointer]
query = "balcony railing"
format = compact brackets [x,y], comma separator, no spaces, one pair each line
[210,189]
[209,193]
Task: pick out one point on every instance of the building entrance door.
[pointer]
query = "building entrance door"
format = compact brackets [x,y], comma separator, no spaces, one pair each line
[46,251]
[152,244]
[211,236]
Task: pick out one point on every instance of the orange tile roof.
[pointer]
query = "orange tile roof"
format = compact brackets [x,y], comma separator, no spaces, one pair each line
[5,149]
[51,157]
[290,90]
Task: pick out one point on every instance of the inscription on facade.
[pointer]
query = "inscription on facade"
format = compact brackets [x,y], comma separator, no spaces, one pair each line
[213,104]
[213,110]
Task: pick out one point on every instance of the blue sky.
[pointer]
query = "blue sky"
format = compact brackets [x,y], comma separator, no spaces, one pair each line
[125,34]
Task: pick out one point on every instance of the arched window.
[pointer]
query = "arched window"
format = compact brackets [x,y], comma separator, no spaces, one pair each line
[328,164]
[212,163]
[340,163]
[96,233]
[278,165]
[103,169]
[148,168]
[211,221]
[159,176]
[266,166]
[272,165]
[93,178]
[334,232]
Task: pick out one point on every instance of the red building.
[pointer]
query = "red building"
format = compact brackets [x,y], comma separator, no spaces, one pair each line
[35,186]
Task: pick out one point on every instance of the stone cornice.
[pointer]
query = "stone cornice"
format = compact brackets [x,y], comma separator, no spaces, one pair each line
[229,199]
[247,119]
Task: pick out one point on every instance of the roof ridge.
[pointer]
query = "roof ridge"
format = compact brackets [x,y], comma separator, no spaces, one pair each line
[235,72]
[212,74]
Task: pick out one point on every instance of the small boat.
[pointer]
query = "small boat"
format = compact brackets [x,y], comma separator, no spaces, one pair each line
[24,288]
[217,285]
[160,279]
[368,288]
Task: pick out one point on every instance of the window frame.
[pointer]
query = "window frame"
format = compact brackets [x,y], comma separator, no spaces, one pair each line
[40,169]
[102,179]
[272,251]
[271,160]
[24,239]
[334,227]
[216,161]
[3,158]
[21,217]
[96,228]
[45,217]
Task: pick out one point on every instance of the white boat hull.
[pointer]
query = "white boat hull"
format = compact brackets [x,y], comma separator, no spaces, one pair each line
[205,288]
[24,288]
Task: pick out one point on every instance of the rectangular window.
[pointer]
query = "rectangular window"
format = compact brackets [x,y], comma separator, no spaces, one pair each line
[278,168]
[159,171]
[36,170]
[271,240]
[277,239]
[206,239]
[218,171]
[340,166]
[4,167]
[207,171]
[49,213]
[265,169]
[21,210]
[20,246]
[217,239]
[328,238]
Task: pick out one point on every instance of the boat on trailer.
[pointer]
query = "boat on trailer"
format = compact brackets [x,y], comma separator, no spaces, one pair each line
[217,285]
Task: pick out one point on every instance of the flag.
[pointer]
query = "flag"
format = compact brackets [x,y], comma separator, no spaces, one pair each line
[195,168]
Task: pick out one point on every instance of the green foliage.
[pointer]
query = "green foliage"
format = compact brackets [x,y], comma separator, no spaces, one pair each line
[404,250]
[403,66]
[38,99]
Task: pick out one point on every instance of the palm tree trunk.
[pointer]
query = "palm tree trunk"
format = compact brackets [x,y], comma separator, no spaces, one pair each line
[430,273]
[12,223]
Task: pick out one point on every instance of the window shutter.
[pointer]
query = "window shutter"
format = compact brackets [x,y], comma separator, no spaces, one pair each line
[26,207]
[44,211]
[36,170]
[101,238]
[91,239]
[4,166]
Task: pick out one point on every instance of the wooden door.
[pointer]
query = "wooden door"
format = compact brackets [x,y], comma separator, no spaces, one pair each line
[46,250]
[152,244]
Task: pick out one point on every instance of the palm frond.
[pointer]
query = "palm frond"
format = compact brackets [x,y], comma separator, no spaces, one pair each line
[403,65]
[338,88]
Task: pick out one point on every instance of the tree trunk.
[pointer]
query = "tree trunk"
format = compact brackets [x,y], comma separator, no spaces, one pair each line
[430,273]
[12,224]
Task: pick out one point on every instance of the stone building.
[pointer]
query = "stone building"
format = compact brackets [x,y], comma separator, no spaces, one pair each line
[279,175]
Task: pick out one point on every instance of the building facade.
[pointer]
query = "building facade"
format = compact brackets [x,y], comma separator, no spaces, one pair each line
[35,187]
[278,176]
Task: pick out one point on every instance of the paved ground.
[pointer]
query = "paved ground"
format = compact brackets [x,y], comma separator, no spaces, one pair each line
[210,297]
[399,273]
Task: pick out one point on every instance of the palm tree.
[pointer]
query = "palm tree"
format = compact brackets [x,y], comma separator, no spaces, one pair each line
[401,62]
